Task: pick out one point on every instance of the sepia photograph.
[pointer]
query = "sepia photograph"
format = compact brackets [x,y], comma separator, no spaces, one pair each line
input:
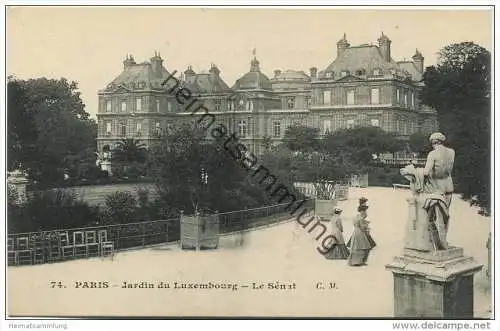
[249,162]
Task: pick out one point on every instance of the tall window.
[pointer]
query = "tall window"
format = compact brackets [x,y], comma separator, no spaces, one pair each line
[375,96]
[376,72]
[138,128]
[277,129]
[327,96]
[217,105]
[249,105]
[308,102]
[290,103]
[375,122]
[123,106]
[169,106]
[350,124]
[157,128]
[413,99]
[123,129]
[327,126]
[157,105]
[398,97]
[108,106]
[138,104]
[350,97]
[406,99]
[242,129]
[108,128]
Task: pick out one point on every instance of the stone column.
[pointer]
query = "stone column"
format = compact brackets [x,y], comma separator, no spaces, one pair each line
[431,283]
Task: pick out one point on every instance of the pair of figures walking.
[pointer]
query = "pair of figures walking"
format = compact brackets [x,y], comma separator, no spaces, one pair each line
[360,242]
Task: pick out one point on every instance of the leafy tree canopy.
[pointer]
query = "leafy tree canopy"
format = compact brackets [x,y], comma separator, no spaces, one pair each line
[49,129]
[459,88]
[301,138]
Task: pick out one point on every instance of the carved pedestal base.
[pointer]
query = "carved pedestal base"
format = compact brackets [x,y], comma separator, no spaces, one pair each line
[434,284]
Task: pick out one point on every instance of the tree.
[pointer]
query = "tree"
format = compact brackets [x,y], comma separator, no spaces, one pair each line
[459,88]
[419,143]
[354,149]
[193,174]
[301,138]
[50,128]
[130,150]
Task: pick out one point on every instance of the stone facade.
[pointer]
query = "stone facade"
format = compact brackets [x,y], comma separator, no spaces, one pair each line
[362,86]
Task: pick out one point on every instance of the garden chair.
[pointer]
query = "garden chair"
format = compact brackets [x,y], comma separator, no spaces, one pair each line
[91,243]
[68,250]
[79,246]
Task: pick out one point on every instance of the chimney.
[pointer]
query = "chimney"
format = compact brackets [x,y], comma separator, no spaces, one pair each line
[129,60]
[189,72]
[342,45]
[418,59]
[384,44]
[214,72]
[277,72]
[156,64]
[314,72]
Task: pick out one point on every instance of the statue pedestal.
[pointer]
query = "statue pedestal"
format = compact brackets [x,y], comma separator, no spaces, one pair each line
[436,284]
[106,166]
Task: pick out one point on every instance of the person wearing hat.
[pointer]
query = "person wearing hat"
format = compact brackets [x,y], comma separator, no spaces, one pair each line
[439,166]
[361,241]
[339,250]
[363,201]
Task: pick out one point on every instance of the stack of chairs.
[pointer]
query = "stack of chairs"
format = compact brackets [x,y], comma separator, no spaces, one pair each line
[79,246]
[54,247]
[38,244]
[11,252]
[67,249]
[24,250]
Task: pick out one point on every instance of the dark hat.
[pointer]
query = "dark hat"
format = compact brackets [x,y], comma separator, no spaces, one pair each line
[337,211]
[363,200]
[362,207]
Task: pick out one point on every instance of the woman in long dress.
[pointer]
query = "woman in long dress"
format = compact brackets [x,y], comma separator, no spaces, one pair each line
[361,242]
[339,250]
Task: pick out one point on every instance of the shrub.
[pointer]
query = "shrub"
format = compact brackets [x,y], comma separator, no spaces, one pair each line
[48,210]
[120,207]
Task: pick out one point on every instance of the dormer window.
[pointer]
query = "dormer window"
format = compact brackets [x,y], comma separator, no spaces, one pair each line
[344,73]
[360,72]
[329,74]
[376,72]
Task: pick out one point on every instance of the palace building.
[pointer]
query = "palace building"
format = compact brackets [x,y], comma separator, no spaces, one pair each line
[362,86]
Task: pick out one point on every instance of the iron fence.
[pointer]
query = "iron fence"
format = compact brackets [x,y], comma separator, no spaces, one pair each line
[101,240]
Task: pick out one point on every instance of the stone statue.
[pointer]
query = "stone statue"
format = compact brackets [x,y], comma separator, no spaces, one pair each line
[432,188]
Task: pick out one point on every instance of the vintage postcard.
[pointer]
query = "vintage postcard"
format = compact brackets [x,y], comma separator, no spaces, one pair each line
[293,162]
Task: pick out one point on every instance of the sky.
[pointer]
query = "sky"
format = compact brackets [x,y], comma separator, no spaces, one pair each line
[88,44]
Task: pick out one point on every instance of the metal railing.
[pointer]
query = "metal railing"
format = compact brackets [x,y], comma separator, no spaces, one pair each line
[49,246]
